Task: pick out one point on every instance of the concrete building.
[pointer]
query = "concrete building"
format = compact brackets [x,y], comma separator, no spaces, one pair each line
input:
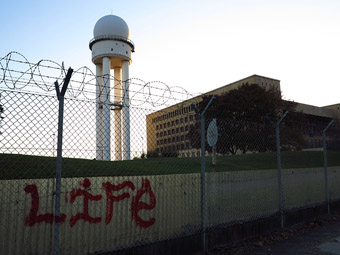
[167,129]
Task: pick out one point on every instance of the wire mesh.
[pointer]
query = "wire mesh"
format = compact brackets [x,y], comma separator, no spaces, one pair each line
[149,189]
[243,185]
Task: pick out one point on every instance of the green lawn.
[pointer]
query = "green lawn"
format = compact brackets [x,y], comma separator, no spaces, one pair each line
[14,166]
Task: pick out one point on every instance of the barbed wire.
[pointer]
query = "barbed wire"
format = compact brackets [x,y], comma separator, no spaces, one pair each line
[17,73]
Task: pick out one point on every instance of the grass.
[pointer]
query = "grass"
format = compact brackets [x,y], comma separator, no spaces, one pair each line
[16,166]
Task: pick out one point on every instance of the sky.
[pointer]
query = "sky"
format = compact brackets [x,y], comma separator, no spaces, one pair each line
[194,44]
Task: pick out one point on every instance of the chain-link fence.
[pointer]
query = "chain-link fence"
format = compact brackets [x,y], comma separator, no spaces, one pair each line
[156,190]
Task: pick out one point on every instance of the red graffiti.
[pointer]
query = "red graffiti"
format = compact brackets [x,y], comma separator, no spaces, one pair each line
[110,198]
[138,205]
[33,217]
[70,197]
[87,196]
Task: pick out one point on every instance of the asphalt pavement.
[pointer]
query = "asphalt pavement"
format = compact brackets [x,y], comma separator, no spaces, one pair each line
[318,237]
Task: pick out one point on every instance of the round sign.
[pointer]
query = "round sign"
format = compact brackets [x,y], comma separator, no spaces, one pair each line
[212,133]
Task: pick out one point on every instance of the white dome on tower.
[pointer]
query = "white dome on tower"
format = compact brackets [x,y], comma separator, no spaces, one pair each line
[111,25]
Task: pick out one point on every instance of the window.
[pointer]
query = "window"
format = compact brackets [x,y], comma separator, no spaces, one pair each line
[169,140]
[186,119]
[157,127]
[169,124]
[177,130]
[157,135]
[172,123]
[181,120]
[157,142]
[186,128]
[182,129]
[164,133]
[173,139]
[161,134]
[160,126]
[177,138]
[182,137]
[169,132]
[177,121]
[191,117]
[173,131]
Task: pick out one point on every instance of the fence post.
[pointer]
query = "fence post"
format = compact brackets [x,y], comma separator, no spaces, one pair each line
[201,115]
[278,160]
[60,95]
[325,164]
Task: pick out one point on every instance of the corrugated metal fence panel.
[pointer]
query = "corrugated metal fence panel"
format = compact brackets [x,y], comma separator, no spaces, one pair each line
[240,196]
[145,209]
[175,212]
[334,182]
[303,187]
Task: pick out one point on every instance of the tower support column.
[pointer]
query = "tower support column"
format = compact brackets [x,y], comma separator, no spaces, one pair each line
[117,111]
[106,108]
[126,110]
[99,113]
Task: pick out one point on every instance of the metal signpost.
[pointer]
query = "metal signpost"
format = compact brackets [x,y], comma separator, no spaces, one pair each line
[212,136]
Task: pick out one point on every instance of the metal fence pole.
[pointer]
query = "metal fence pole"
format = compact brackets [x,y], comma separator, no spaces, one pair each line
[203,180]
[325,164]
[60,95]
[279,170]
[201,115]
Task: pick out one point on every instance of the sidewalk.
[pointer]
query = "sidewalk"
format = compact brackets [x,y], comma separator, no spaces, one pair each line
[320,237]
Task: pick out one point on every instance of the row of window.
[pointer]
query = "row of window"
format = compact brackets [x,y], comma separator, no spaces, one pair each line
[175,122]
[183,154]
[173,131]
[173,139]
[174,148]
[173,114]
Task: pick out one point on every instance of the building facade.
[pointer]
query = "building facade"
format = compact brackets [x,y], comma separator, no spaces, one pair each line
[168,129]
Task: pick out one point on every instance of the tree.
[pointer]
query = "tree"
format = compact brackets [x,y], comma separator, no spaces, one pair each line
[243,122]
